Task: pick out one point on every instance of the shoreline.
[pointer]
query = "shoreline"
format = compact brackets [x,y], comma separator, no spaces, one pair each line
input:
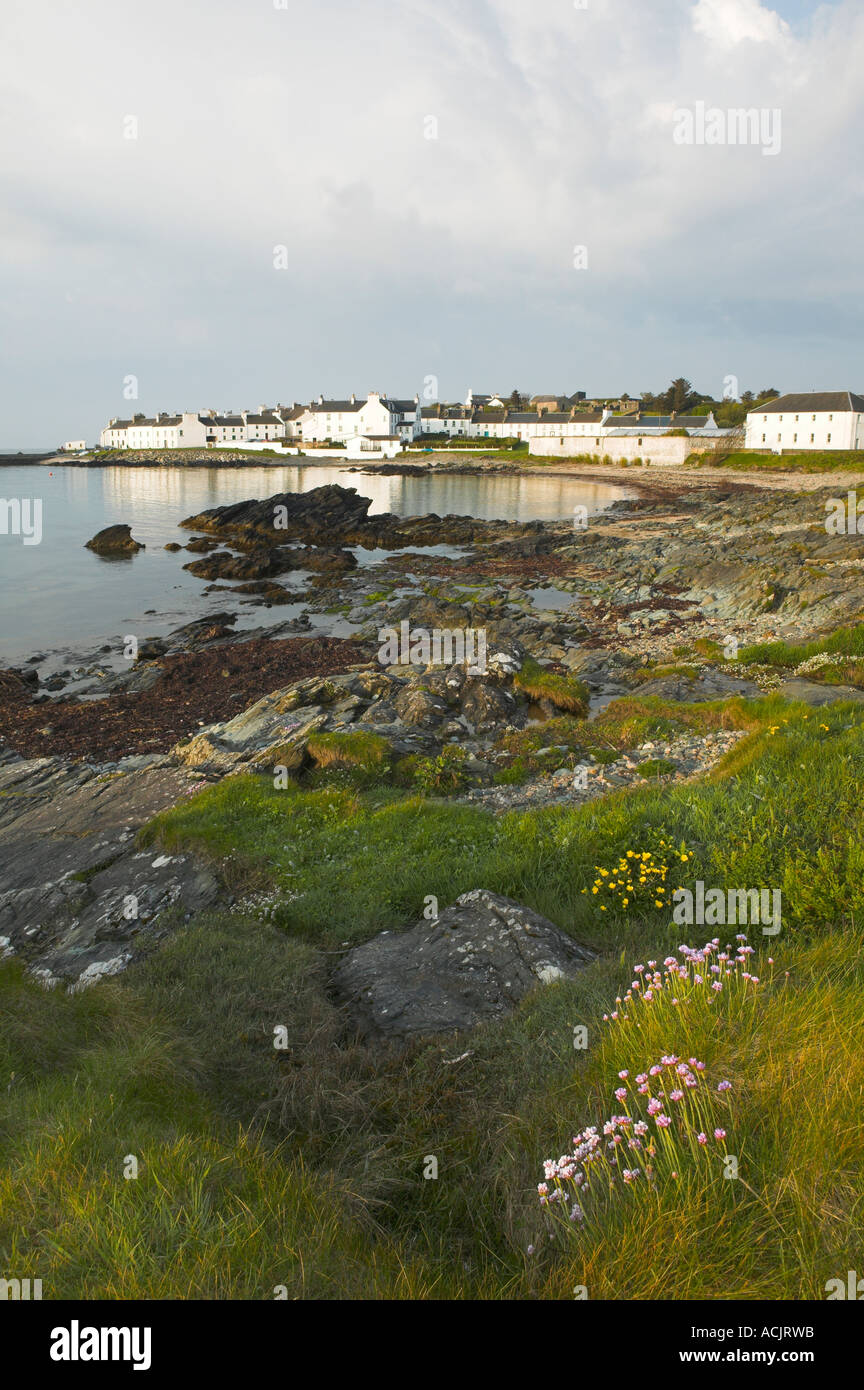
[659,478]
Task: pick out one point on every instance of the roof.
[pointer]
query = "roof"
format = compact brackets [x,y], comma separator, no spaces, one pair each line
[817,402]
[336,407]
[268,419]
[403,407]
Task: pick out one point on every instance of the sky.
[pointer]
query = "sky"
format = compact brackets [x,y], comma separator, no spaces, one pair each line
[227,203]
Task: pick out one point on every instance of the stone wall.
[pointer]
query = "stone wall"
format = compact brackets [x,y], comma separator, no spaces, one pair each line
[664,449]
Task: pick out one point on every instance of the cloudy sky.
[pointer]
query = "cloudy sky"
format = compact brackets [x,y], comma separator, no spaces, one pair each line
[240,201]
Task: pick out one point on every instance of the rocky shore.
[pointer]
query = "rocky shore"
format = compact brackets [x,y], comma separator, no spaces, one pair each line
[653,599]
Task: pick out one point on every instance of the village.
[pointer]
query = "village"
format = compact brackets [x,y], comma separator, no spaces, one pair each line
[382,426]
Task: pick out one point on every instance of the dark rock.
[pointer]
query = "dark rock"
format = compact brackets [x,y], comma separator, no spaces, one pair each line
[417,706]
[486,706]
[114,540]
[477,961]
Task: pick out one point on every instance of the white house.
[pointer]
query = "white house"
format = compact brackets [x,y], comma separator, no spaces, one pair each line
[162,431]
[376,416]
[73,446]
[811,420]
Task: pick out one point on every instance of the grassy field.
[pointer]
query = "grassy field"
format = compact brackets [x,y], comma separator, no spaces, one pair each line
[827,461]
[303,1168]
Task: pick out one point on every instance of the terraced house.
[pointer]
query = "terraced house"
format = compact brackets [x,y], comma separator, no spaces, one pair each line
[375,417]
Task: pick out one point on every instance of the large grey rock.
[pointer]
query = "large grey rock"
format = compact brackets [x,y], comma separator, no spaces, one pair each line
[476,961]
[77,899]
[816,694]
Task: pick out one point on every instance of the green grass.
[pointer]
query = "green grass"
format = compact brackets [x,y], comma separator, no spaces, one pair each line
[846,641]
[304,1166]
[564,692]
[357,747]
[827,461]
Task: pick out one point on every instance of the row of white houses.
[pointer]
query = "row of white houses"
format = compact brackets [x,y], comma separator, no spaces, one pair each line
[377,418]
[811,420]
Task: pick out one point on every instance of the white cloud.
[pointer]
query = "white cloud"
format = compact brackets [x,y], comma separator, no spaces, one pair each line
[730,22]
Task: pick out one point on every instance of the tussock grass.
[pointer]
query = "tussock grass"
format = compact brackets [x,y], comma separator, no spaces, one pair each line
[354,746]
[564,692]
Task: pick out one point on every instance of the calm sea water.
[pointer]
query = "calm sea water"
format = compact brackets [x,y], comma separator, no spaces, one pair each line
[58,596]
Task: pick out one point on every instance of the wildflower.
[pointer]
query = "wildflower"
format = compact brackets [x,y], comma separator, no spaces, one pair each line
[621,1093]
[702,1138]
[676,1095]
[724,1086]
[664,1121]
[623,1075]
[719,1134]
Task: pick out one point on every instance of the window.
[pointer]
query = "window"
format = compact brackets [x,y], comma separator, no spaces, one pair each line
[812,439]
[829,439]
[763,439]
[796,421]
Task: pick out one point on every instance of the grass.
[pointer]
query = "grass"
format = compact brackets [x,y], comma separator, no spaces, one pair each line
[846,641]
[357,747]
[827,461]
[564,692]
[303,1167]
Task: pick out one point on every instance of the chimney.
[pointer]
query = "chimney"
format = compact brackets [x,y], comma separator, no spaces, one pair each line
[353,399]
[320,399]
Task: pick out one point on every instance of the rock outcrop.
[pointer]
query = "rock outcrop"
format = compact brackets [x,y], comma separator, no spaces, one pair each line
[476,961]
[114,541]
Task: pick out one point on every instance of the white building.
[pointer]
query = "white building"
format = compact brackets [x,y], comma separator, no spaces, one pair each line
[812,420]
[73,446]
[342,420]
[185,431]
